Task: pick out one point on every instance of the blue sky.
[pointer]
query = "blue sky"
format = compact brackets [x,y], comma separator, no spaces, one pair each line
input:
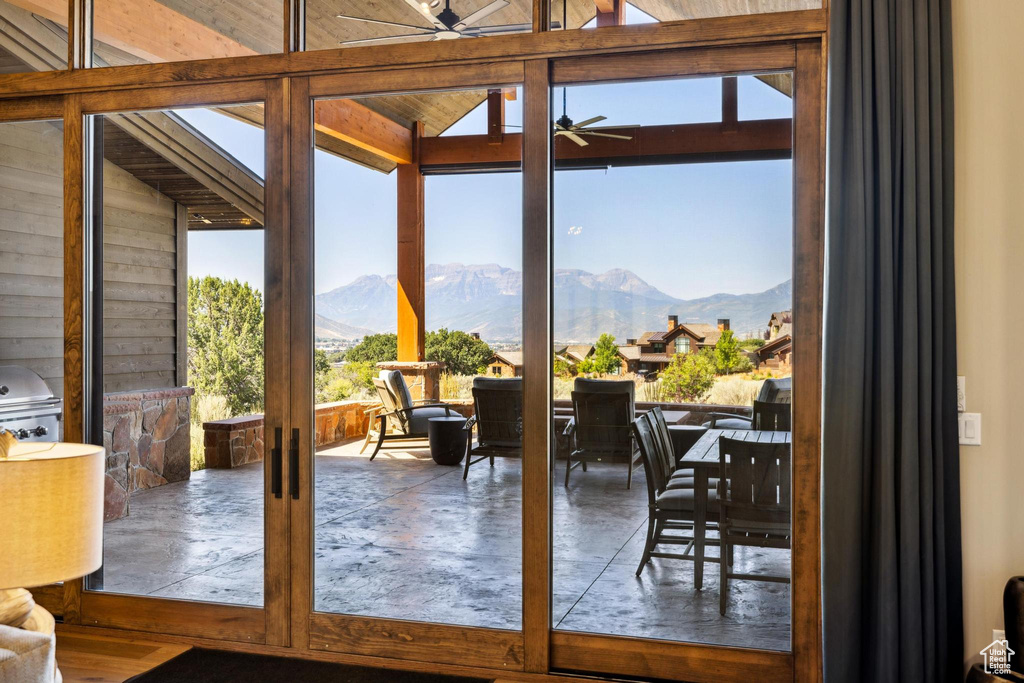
[690,230]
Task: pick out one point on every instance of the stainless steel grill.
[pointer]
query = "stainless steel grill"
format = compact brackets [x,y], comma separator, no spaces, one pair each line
[28,408]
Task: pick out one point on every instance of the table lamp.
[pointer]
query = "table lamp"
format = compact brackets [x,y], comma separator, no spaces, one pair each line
[51,528]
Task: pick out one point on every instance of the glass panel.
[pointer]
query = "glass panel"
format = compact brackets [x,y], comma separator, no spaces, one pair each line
[182,319]
[351,23]
[36,38]
[144,31]
[672,298]
[399,532]
[32,277]
[586,13]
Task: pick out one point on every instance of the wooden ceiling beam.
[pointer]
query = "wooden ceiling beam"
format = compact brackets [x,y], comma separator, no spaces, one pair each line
[744,140]
[142,27]
[611,12]
[495,116]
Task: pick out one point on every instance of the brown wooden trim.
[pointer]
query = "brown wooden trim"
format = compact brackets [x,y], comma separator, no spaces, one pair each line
[301,243]
[698,61]
[541,15]
[330,656]
[537,331]
[495,116]
[493,74]
[181,294]
[277,347]
[512,47]
[175,617]
[642,658]
[50,597]
[411,287]
[742,141]
[32,109]
[808,302]
[425,642]
[79,24]
[730,102]
[206,95]
[74,270]
[294,25]
[610,13]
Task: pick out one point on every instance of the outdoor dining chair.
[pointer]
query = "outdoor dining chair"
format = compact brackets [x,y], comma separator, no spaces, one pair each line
[407,419]
[600,426]
[772,391]
[498,419]
[668,508]
[755,506]
[772,417]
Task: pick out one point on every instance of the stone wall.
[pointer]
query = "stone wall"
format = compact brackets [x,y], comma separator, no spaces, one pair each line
[233,442]
[423,378]
[146,434]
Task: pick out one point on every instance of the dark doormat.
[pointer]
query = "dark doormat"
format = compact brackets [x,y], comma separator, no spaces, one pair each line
[215,666]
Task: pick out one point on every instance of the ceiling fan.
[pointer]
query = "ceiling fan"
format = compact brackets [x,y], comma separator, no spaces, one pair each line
[447,25]
[565,127]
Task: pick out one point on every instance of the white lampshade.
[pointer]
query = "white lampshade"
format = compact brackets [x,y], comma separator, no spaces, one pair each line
[51,527]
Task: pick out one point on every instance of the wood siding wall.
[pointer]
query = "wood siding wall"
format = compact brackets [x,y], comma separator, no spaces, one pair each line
[140,266]
[31,249]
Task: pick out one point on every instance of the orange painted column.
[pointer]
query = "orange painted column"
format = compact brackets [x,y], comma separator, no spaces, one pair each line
[411,296]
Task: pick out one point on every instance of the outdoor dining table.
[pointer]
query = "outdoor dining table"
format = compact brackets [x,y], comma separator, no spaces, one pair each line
[703,458]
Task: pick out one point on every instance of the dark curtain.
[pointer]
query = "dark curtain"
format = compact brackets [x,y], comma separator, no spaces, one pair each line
[891,501]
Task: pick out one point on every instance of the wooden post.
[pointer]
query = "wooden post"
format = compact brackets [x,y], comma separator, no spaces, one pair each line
[730,101]
[495,116]
[411,301]
[611,13]
[537,375]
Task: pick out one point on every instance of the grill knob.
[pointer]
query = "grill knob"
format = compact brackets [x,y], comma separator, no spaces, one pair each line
[4,390]
[21,433]
[39,431]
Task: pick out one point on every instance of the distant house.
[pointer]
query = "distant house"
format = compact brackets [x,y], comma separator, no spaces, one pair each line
[506,364]
[778,353]
[653,351]
[776,323]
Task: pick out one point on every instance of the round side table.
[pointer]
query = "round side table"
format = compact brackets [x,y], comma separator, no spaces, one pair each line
[447,439]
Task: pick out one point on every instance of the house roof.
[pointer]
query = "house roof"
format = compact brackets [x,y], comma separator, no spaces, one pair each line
[513,358]
[706,333]
[630,352]
[579,352]
[774,346]
[655,358]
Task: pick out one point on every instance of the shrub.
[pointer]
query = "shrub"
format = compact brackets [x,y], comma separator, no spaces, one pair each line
[690,377]
[456,386]
[734,391]
[204,409]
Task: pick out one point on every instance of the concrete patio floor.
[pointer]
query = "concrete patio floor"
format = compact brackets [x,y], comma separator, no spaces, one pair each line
[404,538]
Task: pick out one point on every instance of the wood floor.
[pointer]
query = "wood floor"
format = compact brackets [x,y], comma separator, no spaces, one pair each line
[105,659]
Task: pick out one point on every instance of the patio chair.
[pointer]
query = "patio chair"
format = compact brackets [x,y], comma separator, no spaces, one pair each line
[754,509]
[600,427]
[668,508]
[772,391]
[498,418]
[772,417]
[407,418]
[675,475]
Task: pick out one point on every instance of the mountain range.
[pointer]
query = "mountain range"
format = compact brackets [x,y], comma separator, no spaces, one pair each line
[487,299]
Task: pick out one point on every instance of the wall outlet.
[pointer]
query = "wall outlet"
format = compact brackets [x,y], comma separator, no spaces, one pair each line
[969,426]
[998,634]
[961,393]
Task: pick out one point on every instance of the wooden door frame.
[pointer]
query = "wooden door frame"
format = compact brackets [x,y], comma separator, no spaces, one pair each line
[606,654]
[142,613]
[438,644]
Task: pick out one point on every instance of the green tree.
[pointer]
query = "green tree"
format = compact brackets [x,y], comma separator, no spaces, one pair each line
[605,359]
[462,353]
[689,377]
[375,348]
[561,367]
[727,353]
[225,342]
[751,344]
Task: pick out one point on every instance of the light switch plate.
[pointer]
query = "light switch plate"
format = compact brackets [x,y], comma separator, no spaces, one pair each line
[969,425]
[961,393]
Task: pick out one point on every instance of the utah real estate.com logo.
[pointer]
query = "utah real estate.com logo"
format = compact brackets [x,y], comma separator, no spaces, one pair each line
[997,657]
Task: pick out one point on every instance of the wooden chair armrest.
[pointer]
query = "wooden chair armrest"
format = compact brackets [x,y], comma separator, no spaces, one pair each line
[469,424]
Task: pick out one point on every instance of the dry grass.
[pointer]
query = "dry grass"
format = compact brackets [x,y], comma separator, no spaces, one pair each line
[734,390]
[204,409]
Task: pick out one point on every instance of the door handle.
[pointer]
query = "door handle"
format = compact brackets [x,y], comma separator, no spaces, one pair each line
[293,465]
[275,464]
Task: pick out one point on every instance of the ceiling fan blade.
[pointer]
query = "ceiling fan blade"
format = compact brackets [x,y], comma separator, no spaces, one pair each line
[476,16]
[561,127]
[494,30]
[383,39]
[384,23]
[575,138]
[426,14]
[605,135]
[584,124]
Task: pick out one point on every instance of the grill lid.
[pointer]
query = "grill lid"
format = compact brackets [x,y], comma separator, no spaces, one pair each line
[20,385]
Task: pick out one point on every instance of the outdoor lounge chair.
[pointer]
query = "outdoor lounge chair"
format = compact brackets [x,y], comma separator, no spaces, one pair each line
[406,418]
[498,418]
[754,509]
[668,508]
[772,391]
[600,427]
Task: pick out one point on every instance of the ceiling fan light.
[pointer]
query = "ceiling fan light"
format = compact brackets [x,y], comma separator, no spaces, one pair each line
[434,4]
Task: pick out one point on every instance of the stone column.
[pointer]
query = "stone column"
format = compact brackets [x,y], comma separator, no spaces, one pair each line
[423,378]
